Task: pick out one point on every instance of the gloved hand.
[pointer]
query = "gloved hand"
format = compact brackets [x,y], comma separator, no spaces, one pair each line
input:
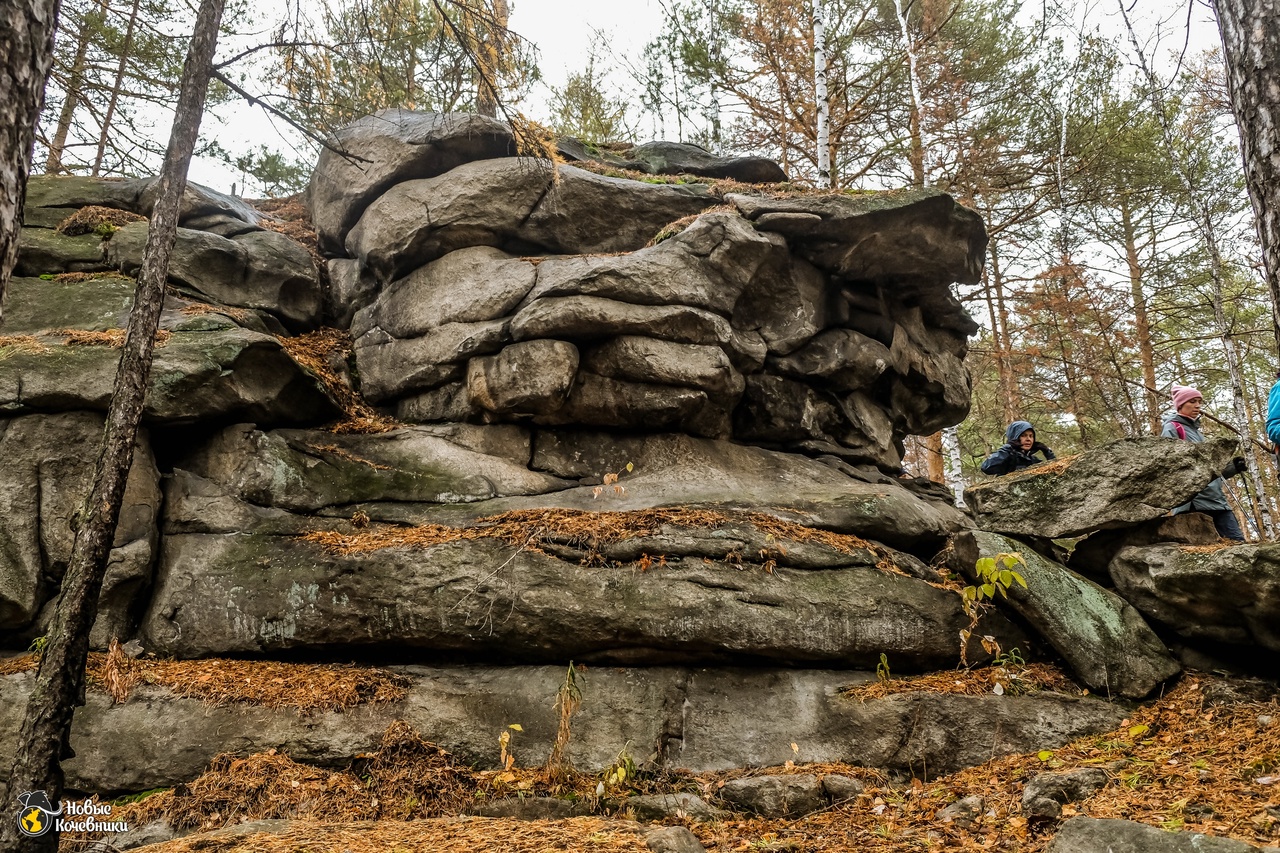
[1041,446]
[1234,467]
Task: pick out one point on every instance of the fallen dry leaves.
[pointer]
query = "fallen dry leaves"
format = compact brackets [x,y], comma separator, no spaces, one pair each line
[314,351]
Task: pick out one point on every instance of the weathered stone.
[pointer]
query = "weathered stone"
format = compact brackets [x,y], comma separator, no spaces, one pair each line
[708,265]
[198,202]
[603,402]
[1119,484]
[449,402]
[964,812]
[776,796]
[1092,556]
[1227,594]
[651,360]
[43,485]
[677,470]
[673,839]
[222,224]
[678,805]
[840,788]
[387,148]
[680,158]
[782,413]
[533,377]
[1046,793]
[59,191]
[483,597]
[932,386]
[304,471]
[514,203]
[393,367]
[786,302]
[917,240]
[1087,835]
[227,372]
[261,269]
[847,360]
[44,252]
[1101,636]
[467,286]
[349,290]
[695,719]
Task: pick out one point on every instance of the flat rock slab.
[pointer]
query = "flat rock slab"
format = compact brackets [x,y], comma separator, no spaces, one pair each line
[698,720]
[1119,484]
[1088,835]
[776,796]
[1101,636]
[484,598]
[306,470]
[680,158]
[1228,594]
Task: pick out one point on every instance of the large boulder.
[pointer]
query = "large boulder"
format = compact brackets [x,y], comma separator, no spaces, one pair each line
[263,270]
[519,204]
[207,366]
[1092,555]
[690,718]
[1119,484]
[43,484]
[1089,835]
[486,598]
[378,151]
[45,252]
[1221,593]
[1101,636]
[681,158]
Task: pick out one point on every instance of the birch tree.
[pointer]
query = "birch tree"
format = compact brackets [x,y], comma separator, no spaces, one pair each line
[44,739]
[823,153]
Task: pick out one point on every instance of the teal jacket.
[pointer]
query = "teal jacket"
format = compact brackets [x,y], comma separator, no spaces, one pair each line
[1211,499]
[1273,414]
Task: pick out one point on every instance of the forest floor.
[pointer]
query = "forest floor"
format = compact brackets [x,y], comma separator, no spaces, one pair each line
[1203,757]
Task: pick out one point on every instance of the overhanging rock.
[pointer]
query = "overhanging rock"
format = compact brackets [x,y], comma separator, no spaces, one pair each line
[1119,484]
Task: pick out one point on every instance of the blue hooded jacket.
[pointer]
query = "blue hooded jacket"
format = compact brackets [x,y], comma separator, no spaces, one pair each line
[1011,457]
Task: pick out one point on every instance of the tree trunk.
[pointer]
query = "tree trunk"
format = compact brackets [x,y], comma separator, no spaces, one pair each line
[75,79]
[916,154]
[1011,400]
[26,54]
[1142,324]
[821,96]
[44,739]
[934,458]
[1251,52]
[115,88]
[491,46]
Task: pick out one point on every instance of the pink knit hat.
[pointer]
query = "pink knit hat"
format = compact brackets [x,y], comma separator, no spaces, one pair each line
[1182,395]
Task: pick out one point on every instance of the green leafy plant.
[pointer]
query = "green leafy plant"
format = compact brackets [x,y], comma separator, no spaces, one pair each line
[995,575]
[38,644]
[882,669]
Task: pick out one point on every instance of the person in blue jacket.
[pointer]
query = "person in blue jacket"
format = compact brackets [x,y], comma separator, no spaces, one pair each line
[1273,416]
[1184,424]
[1018,451]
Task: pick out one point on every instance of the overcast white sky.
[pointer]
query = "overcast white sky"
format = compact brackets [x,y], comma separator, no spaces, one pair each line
[562,30]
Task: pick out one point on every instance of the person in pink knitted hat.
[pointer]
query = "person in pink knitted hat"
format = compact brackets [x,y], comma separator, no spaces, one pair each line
[1184,424]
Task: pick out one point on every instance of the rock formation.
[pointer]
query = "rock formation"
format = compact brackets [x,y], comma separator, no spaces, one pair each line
[655,425]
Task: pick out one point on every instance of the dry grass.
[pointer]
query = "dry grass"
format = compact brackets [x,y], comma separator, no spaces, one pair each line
[589,531]
[466,835]
[113,338]
[95,219]
[1210,549]
[196,309]
[21,343]
[1181,762]
[313,351]
[306,688]
[76,277]
[1014,679]
[680,225]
